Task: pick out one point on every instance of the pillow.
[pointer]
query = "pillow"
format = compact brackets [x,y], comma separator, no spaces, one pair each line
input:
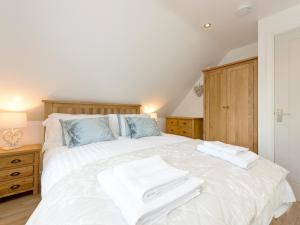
[113,119]
[123,124]
[68,116]
[62,115]
[78,132]
[142,127]
[114,124]
[53,132]
[53,136]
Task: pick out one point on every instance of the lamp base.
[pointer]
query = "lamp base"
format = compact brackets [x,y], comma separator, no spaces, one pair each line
[12,137]
[7,148]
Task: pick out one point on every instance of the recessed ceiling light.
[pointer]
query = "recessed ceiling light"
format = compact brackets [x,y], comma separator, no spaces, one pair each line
[207,25]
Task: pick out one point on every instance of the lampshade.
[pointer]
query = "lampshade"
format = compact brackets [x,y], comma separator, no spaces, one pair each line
[13,120]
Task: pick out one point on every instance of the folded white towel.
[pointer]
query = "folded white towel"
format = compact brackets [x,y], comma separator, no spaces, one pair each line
[149,178]
[136,211]
[244,160]
[227,148]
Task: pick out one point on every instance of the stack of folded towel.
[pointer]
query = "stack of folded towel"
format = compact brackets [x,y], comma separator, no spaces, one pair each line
[147,190]
[236,155]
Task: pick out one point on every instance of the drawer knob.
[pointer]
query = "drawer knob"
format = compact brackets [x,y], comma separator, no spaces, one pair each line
[184,132]
[14,174]
[184,123]
[16,161]
[14,187]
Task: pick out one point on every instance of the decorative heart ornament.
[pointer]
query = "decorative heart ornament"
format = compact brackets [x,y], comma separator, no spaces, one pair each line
[198,89]
[12,137]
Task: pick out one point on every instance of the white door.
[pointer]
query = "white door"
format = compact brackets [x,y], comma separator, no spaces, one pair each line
[287,105]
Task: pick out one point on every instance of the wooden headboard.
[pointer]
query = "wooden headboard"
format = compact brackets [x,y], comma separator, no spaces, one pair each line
[52,106]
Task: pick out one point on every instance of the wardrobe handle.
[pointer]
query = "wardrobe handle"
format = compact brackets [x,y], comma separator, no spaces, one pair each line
[225,107]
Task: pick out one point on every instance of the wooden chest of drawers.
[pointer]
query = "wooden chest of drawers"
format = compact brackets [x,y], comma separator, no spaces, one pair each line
[19,170]
[185,126]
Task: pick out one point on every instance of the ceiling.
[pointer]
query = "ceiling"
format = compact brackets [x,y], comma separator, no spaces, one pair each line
[228,30]
[147,52]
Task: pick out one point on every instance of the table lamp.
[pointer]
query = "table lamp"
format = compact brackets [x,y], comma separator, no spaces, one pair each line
[12,122]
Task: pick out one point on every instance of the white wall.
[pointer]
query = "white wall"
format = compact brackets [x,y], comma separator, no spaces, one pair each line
[192,105]
[113,51]
[268,28]
[106,51]
[244,52]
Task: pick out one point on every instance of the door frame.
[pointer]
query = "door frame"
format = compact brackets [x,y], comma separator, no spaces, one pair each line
[268,28]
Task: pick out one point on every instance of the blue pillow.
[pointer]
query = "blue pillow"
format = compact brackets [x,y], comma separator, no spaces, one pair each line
[84,131]
[142,127]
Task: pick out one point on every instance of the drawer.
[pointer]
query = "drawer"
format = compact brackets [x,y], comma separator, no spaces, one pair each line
[16,186]
[172,122]
[185,123]
[186,132]
[16,173]
[172,129]
[17,160]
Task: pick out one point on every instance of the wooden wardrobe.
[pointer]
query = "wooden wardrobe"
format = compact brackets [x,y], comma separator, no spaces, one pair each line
[230,103]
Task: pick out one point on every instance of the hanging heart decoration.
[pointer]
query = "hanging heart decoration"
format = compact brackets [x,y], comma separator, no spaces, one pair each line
[12,136]
[198,89]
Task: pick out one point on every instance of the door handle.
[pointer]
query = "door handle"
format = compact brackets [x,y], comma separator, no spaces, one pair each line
[280,114]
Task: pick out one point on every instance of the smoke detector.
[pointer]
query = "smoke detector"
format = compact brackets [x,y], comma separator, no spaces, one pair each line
[244,9]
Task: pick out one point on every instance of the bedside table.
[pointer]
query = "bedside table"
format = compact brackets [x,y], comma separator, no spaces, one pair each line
[185,126]
[19,170]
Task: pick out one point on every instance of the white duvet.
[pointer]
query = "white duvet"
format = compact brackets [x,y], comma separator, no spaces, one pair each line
[230,195]
[60,161]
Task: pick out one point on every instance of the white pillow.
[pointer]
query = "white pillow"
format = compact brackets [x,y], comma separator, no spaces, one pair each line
[72,116]
[62,115]
[53,135]
[123,125]
[114,124]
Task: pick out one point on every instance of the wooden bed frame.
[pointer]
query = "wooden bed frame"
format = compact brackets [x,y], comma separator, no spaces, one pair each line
[73,107]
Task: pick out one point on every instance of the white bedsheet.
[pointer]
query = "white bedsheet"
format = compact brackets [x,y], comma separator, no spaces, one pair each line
[60,161]
[230,196]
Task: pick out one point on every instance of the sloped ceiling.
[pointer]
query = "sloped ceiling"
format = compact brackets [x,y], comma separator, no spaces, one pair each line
[229,30]
[133,51]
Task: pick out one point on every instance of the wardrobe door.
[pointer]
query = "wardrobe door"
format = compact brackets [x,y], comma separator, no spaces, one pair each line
[215,114]
[241,88]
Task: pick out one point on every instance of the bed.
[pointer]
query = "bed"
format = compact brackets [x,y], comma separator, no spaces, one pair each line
[230,195]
